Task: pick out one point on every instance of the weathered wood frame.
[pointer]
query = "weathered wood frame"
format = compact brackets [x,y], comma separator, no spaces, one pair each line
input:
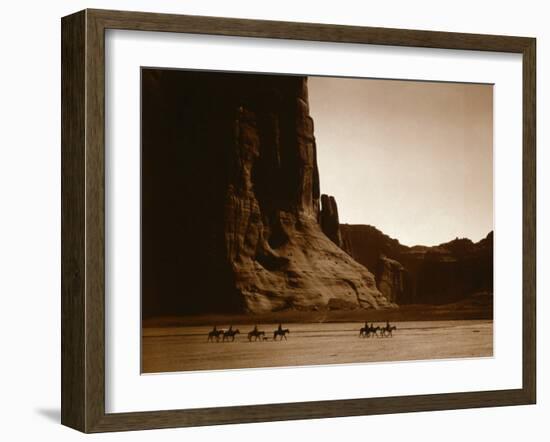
[83,218]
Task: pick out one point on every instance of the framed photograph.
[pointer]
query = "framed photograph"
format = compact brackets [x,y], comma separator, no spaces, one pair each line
[268,220]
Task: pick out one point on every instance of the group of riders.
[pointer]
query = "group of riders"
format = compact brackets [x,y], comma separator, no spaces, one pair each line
[215,335]
[229,334]
[380,332]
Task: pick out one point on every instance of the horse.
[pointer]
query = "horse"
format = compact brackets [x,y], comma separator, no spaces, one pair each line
[367,330]
[280,332]
[215,333]
[364,331]
[230,334]
[387,331]
[373,330]
[256,334]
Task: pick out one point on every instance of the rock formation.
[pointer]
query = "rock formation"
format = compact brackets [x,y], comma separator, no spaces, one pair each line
[422,275]
[329,220]
[231,218]
[391,279]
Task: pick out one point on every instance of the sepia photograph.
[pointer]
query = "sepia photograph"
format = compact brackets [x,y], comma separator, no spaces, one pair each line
[293,220]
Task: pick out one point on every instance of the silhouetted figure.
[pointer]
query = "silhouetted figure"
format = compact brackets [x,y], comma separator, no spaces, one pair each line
[256,334]
[230,334]
[215,333]
[280,332]
[387,331]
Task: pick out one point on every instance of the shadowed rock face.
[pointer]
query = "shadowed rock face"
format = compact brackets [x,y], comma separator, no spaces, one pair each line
[231,189]
[422,275]
[329,220]
[391,279]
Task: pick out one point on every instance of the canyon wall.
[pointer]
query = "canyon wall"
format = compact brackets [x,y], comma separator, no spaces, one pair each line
[232,215]
[440,274]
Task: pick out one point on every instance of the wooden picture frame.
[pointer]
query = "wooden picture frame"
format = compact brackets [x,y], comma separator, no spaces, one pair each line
[83,220]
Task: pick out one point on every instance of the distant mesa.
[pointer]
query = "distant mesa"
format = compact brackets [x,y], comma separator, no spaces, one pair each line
[441,274]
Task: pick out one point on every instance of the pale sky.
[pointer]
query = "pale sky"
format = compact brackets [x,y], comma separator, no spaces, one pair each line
[414,159]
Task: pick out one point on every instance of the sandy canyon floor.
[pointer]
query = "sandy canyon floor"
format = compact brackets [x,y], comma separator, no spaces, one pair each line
[168,349]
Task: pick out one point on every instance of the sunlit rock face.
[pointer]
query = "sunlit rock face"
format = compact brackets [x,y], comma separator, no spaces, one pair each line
[247,202]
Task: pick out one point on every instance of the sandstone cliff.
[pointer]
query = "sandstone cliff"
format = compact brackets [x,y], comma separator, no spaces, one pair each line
[422,275]
[231,187]
[391,279]
[329,219]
